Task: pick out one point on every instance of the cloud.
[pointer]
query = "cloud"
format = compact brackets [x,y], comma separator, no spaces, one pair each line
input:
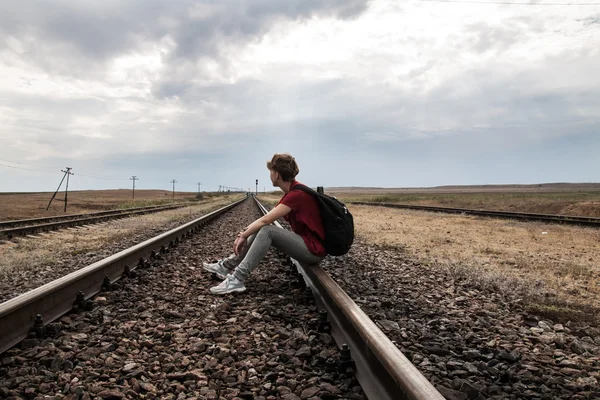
[89,31]
[590,20]
[163,85]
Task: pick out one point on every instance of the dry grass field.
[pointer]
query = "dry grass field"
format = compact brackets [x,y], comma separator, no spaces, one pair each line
[554,269]
[50,248]
[564,199]
[33,205]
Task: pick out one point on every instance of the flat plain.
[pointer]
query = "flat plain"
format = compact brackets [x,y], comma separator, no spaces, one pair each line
[33,205]
[554,269]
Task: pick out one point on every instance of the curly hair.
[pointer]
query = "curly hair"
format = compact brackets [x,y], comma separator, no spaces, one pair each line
[285,165]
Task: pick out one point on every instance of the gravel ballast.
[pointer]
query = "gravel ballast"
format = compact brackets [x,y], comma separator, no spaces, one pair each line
[471,343]
[161,334]
[32,262]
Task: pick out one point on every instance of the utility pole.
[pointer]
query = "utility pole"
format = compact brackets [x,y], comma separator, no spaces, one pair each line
[134,178]
[199,184]
[173,182]
[67,173]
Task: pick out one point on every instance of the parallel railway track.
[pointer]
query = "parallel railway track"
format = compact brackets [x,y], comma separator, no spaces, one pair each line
[52,300]
[382,370]
[10,229]
[550,218]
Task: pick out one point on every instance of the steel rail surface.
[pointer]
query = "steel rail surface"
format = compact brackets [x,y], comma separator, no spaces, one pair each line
[33,221]
[561,219]
[23,230]
[382,370]
[56,298]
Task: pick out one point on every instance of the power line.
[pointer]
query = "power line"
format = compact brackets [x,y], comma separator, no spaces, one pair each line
[25,169]
[37,168]
[29,165]
[222,188]
[99,177]
[509,3]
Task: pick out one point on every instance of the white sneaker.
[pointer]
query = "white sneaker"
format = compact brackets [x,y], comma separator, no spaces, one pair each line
[216,268]
[229,285]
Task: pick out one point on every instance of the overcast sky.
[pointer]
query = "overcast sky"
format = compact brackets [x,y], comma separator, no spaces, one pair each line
[362,93]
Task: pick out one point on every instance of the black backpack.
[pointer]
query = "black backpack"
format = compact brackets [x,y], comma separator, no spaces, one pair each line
[337,221]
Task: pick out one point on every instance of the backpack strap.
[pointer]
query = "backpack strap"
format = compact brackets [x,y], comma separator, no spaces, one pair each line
[305,189]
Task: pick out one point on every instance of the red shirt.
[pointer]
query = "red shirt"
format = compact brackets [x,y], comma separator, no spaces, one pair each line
[305,218]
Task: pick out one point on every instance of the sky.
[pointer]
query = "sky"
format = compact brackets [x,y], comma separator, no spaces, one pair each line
[362,93]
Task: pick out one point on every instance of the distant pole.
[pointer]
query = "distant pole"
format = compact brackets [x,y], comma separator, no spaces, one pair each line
[199,185]
[134,178]
[173,182]
[69,173]
[57,189]
[256,191]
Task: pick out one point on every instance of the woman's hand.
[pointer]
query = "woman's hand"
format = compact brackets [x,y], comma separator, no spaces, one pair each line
[239,245]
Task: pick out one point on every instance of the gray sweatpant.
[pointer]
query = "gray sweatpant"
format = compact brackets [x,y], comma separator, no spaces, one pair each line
[258,245]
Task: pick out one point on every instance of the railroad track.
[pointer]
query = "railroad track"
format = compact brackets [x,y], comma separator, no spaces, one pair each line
[381,369]
[550,218]
[54,299]
[10,229]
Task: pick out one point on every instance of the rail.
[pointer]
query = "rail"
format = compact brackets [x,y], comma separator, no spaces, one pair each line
[69,222]
[381,369]
[552,218]
[42,220]
[50,301]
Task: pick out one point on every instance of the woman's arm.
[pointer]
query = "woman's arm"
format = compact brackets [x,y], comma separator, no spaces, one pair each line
[280,211]
[276,213]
